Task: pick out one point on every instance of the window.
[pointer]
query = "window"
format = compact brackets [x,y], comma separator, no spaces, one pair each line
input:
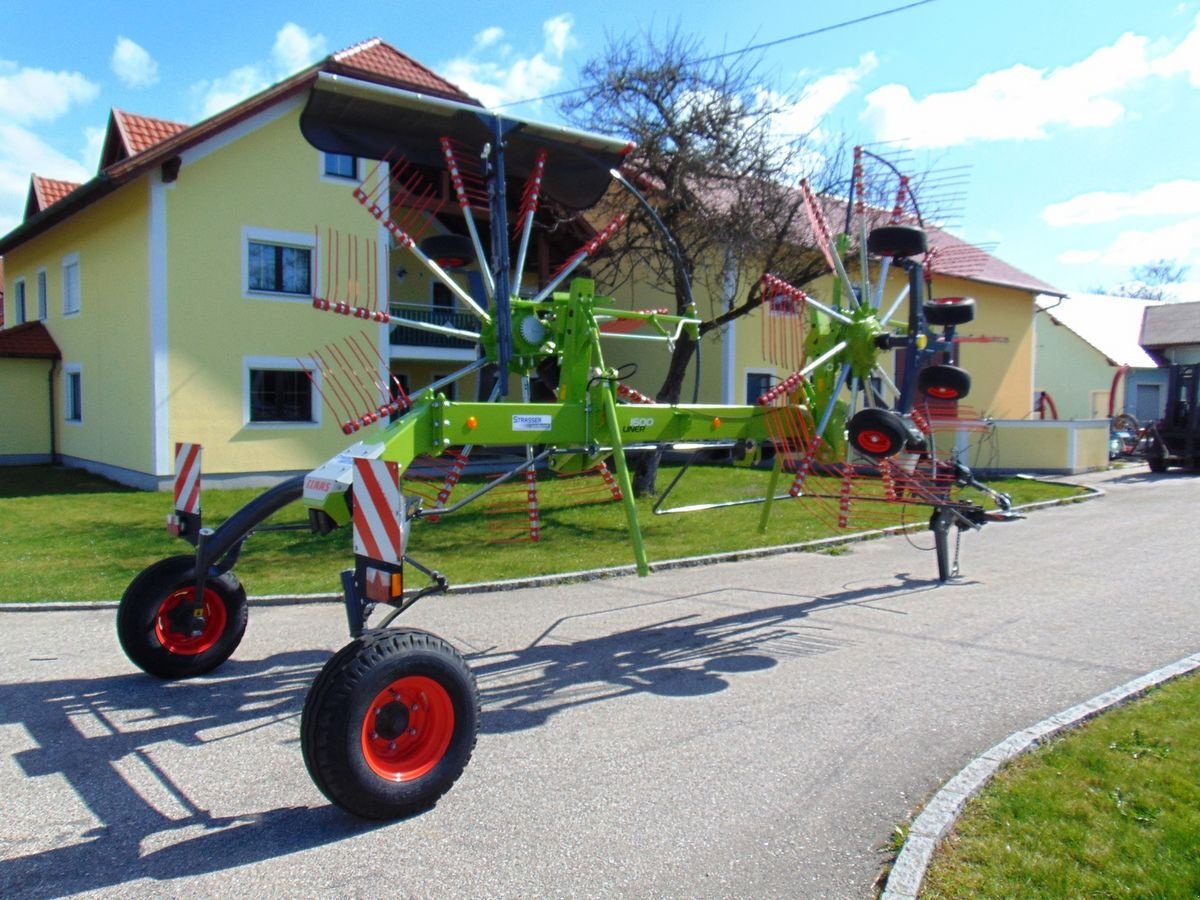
[339,165]
[757,384]
[280,395]
[71,298]
[73,390]
[279,264]
[442,301]
[41,295]
[19,302]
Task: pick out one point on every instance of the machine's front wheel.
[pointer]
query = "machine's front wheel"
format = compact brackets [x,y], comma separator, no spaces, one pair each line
[160,635]
[390,723]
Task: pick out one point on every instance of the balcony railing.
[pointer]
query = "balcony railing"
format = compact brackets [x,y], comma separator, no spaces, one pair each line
[406,336]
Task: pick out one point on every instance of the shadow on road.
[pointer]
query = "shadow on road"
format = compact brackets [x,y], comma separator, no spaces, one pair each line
[126,717]
[681,656]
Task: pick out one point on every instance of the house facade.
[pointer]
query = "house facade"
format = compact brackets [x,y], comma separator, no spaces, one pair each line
[1089,362]
[177,288]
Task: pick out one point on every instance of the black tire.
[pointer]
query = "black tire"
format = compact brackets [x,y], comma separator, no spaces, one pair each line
[1157,464]
[154,642]
[450,251]
[425,708]
[944,382]
[949,310]
[897,240]
[877,432]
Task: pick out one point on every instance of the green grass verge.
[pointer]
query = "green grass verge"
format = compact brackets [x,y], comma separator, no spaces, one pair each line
[68,535]
[1111,809]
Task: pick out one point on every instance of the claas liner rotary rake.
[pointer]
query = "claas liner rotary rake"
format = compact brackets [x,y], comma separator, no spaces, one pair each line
[391,720]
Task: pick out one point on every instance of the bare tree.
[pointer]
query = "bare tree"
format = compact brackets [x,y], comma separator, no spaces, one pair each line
[717,174]
[1149,281]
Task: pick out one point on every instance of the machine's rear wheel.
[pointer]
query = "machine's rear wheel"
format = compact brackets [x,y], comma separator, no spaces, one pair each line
[949,311]
[944,382]
[160,637]
[390,723]
[897,240]
[877,432]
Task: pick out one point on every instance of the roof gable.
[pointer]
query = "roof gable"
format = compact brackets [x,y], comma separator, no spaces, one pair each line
[374,60]
[45,192]
[129,134]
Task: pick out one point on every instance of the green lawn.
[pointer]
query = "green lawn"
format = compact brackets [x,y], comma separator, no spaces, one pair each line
[1111,809]
[68,535]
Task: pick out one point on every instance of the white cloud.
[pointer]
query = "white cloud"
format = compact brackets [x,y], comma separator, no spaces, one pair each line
[294,48]
[133,65]
[23,153]
[819,97]
[1184,59]
[1170,198]
[29,96]
[1025,103]
[1178,242]
[498,81]
[32,95]
[488,37]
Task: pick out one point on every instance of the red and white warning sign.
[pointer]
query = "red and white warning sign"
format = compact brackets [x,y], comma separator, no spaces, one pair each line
[187,478]
[187,489]
[377,510]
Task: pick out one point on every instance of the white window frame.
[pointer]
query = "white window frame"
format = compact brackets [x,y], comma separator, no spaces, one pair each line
[20,302]
[43,294]
[71,262]
[72,371]
[282,364]
[338,179]
[300,240]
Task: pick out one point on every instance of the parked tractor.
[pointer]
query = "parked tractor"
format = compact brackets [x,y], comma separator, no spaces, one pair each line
[1175,439]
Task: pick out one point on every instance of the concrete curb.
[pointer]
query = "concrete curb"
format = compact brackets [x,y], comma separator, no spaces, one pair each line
[538,581]
[941,813]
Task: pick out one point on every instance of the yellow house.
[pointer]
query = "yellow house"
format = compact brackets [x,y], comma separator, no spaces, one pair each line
[177,287]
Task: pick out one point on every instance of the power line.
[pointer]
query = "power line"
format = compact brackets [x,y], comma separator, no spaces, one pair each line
[752,48]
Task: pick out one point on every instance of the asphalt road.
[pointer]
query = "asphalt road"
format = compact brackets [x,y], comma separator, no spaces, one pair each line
[752,729]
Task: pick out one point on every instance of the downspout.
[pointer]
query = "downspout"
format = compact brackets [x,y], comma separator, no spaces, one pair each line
[53,416]
[1112,391]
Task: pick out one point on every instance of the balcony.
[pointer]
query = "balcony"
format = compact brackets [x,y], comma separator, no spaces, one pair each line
[417,343]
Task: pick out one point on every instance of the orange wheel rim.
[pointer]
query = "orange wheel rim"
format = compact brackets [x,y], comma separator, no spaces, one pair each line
[181,643]
[943,393]
[407,728]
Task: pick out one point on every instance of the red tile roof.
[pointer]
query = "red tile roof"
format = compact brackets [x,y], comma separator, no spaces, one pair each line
[143,132]
[28,341]
[129,134]
[956,258]
[378,61]
[44,192]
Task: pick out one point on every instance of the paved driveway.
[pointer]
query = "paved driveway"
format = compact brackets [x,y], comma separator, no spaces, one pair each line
[752,729]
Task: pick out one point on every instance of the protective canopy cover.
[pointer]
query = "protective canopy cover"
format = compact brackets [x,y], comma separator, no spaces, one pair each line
[359,118]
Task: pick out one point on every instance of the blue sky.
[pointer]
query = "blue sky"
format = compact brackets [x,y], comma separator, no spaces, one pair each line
[1076,123]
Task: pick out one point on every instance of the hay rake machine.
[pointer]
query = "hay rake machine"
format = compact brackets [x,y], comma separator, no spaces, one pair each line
[391,720]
